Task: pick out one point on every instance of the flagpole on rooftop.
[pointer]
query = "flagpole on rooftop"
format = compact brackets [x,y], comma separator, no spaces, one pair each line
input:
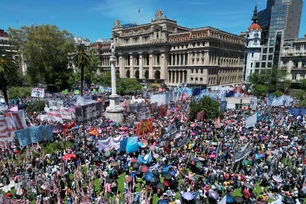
[139,16]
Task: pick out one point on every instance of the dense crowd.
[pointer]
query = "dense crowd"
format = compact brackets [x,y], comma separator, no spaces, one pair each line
[246,165]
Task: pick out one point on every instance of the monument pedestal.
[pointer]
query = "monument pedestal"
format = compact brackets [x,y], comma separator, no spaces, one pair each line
[114,111]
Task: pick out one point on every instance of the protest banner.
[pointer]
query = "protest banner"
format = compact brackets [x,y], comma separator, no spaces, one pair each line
[38,92]
[9,123]
[88,112]
[181,141]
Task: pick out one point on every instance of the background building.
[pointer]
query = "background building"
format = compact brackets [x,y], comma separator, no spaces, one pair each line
[11,49]
[252,50]
[163,51]
[279,21]
[293,58]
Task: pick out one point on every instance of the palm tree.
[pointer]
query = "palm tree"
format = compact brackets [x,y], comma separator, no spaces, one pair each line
[81,59]
[8,67]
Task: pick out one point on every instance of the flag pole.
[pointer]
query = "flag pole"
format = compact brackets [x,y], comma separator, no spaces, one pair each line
[139,15]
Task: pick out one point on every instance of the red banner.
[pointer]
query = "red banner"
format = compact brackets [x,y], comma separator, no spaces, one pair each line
[144,127]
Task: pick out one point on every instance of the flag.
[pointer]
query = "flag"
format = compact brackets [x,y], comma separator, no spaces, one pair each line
[200,116]
[139,10]
[217,123]
[94,132]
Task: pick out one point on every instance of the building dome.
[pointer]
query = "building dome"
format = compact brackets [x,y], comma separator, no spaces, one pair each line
[254,26]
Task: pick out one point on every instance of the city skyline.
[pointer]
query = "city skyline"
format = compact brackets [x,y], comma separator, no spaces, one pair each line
[95,19]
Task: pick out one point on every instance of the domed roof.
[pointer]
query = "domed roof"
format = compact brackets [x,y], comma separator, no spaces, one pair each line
[254,26]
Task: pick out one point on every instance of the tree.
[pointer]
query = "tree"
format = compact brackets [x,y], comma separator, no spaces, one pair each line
[107,79]
[303,84]
[36,106]
[8,68]
[46,50]
[274,79]
[81,59]
[259,90]
[127,86]
[19,92]
[278,93]
[210,107]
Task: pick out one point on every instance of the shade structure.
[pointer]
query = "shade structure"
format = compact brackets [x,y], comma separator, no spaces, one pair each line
[144,169]
[187,196]
[69,157]
[248,185]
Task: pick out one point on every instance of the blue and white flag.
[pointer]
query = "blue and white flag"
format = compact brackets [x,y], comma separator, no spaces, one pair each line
[251,121]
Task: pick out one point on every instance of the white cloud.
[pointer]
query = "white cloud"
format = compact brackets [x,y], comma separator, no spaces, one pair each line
[127,11]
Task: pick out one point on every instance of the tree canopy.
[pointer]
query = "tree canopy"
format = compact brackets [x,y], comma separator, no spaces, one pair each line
[272,79]
[46,49]
[210,107]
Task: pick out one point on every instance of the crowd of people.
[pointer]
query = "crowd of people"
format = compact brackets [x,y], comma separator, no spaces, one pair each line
[201,163]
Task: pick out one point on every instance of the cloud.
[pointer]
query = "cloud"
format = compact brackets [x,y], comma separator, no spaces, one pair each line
[127,11]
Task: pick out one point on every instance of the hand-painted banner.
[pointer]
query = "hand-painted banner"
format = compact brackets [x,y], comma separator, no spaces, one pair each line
[169,131]
[55,115]
[10,122]
[38,92]
[144,127]
[253,103]
[34,134]
[88,112]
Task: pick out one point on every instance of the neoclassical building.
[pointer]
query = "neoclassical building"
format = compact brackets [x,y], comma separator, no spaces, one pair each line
[293,58]
[163,51]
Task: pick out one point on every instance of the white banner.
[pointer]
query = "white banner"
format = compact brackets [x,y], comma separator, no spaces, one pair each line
[38,92]
[253,103]
[251,121]
[66,114]
[55,115]
[56,104]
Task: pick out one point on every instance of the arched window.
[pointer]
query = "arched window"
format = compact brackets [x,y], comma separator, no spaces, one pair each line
[146,74]
[128,73]
[137,74]
[157,75]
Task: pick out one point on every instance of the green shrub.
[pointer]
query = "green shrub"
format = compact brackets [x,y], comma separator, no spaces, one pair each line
[19,92]
[278,93]
[36,106]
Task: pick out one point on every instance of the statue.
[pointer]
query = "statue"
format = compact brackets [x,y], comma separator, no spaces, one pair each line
[112,47]
[158,15]
[117,24]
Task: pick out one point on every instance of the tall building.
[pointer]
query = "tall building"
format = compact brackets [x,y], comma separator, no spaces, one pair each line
[293,58]
[252,49]
[282,17]
[264,16]
[11,49]
[163,51]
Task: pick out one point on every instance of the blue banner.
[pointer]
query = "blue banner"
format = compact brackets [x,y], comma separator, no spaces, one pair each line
[34,134]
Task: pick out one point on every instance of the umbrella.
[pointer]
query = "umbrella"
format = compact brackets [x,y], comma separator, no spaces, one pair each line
[160,185]
[68,157]
[277,179]
[155,172]
[214,195]
[201,159]
[155,155]
[248,185]
[167,176]
[229,199]
[133,160]
[192,133]
[96,159]
[128,179]
[149,176]
[257,156]
[172,173]
[238,199]
[107,154]
[261,154]
[135,166]
[163,201]
[154,180]
[187,196]
[144,169]
[199,165]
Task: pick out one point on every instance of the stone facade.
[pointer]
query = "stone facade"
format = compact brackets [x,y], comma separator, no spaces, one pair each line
[11,49]
[293,58]
[163,51]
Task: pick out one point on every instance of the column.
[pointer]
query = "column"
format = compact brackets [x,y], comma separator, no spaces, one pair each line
[169,74]
[163,69]
[121,66]
[151,66]
[299,64]
[131,67]
[140,66]
[180,59]
[184,59]
[173,77]
[174,58]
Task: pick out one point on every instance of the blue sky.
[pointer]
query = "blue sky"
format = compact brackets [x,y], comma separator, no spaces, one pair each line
[94,18]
